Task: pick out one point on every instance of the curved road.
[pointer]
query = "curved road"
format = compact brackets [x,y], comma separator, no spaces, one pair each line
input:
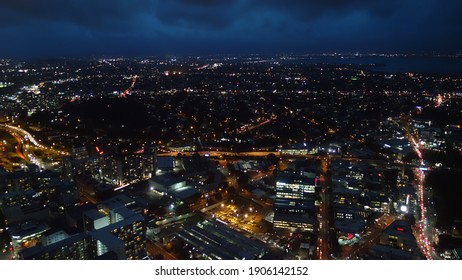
[24,137]
[18,146]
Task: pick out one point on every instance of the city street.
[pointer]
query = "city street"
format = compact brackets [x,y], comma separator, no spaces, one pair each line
[323,215]
[423,231]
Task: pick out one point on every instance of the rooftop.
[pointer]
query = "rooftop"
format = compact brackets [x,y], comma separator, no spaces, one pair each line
[166,180]
[217,241]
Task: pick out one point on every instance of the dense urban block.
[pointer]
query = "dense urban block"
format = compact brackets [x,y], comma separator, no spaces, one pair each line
[322,156]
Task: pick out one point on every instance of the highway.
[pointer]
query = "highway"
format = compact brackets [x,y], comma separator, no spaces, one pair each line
[26,142]
[24,139]
[277,153]
[26,136]
[18,146]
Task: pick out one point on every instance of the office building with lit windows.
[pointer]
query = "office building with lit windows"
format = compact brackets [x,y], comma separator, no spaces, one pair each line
[124,233]
[109,233]
[76,247]
[125,238]
[294,207]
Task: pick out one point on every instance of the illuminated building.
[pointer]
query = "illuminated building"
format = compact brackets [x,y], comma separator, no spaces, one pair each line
[406,199]
[53,236]
[28,194]
[348,223]
[419,123]
[379,202]
[118,170]
[299,150]
[93,220]
[164,183]
[126,238]
[120,203]
[122,236]
[396,242]
[293,222]
[76,247]
[125,234]
[294,204]
[166,165]
[27,234]
[79,152]
[175,187]
[178,147]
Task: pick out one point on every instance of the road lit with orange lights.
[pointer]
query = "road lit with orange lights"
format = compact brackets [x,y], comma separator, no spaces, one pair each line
[423,229]
[26,143]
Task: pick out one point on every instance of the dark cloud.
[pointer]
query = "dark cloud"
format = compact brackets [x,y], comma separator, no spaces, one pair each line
[317,8]
[87,13]
[192,13]
[206,2]
[98,26]
[211,13]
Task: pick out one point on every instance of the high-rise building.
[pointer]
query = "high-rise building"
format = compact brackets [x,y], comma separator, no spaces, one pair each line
[294,207]
[126,238]
[124,233]
[110,233]
[114,169]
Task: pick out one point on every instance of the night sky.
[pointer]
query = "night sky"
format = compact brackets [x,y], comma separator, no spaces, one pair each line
[53,28]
